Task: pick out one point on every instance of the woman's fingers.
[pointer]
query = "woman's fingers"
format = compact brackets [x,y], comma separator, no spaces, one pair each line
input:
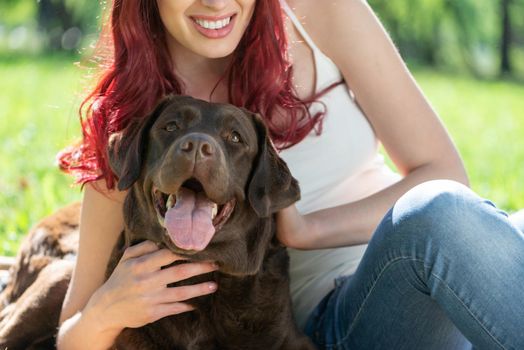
[155,260]
[163,310]
[146,257]
[181,272]
[182,293]
[136,292]
[139,249]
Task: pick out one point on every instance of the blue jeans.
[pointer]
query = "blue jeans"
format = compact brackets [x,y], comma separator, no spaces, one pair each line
[444,270]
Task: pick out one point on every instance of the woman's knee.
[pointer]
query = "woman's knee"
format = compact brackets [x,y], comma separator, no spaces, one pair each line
[444,210]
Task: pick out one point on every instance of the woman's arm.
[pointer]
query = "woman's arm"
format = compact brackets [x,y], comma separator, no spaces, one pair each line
[101,224]
[351,35]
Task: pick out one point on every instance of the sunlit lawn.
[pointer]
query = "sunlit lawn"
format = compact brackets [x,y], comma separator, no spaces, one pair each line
[486,120]
[38,103]
[38,110]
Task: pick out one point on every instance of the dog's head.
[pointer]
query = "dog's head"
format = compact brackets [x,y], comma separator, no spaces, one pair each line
[201,175]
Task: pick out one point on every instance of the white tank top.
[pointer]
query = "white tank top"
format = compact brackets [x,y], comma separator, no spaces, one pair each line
[339,166]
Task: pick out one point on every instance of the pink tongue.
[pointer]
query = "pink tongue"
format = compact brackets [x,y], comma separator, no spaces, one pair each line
[189,222]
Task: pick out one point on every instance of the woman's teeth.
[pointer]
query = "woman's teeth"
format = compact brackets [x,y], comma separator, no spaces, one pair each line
[213,24]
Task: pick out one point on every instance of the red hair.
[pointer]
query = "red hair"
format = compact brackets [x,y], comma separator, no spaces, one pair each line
[137,72]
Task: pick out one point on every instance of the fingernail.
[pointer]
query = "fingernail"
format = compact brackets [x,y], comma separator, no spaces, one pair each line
[212,286]
[215,265]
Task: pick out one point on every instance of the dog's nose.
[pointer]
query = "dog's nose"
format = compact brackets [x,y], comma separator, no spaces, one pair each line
[206,149]
[199,144]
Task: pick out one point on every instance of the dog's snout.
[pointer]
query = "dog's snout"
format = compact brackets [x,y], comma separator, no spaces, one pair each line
[200,144]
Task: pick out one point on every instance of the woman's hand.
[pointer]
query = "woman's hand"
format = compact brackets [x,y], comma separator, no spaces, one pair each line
[137,292]
[295,230]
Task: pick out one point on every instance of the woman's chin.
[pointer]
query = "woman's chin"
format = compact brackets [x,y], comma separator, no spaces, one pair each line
[215,50]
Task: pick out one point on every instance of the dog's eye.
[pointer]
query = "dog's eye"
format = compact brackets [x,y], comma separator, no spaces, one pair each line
[171,126]
[235,137]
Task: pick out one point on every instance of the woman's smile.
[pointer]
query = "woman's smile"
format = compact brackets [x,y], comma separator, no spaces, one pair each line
[211,29]
[214,27]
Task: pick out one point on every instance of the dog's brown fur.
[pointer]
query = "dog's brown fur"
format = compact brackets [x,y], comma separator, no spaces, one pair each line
[251,308]
[31,302]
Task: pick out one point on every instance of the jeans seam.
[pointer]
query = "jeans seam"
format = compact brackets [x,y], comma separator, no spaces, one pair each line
[357,316]
[388,265]
[469,311]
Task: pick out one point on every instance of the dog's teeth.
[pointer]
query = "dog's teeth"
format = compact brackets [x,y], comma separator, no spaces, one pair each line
[170,202]
[214,211]
[161,220]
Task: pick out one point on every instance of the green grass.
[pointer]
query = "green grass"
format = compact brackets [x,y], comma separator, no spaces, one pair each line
[486,121]
[40,97]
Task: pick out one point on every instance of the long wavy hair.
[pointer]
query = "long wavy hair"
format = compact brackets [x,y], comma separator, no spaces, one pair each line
[136,71]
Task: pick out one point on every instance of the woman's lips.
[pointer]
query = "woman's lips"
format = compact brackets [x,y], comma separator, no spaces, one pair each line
[214,33]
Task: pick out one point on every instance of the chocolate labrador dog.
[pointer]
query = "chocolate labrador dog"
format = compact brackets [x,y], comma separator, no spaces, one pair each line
[204,181]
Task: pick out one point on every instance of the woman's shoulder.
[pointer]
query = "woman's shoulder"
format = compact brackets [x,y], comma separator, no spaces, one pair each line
[325,20]
[317,9]
[351,35]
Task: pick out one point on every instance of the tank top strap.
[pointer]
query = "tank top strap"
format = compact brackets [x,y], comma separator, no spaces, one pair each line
[296,22]
[326,71]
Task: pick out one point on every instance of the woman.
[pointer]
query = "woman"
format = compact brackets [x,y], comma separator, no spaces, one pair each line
[442,265]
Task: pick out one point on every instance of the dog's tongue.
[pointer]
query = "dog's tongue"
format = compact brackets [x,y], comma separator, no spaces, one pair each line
[189,222]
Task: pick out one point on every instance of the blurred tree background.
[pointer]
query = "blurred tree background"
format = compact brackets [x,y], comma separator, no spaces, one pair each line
[44,26]
[467,55]
[485,37]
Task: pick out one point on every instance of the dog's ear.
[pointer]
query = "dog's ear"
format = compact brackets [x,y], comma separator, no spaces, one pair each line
[127,149]
[271,185]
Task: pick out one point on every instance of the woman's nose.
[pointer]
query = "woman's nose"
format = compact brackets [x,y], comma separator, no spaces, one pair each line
[215,4]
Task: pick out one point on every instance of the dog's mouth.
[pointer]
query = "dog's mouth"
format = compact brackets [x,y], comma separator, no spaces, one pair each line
[189,216]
